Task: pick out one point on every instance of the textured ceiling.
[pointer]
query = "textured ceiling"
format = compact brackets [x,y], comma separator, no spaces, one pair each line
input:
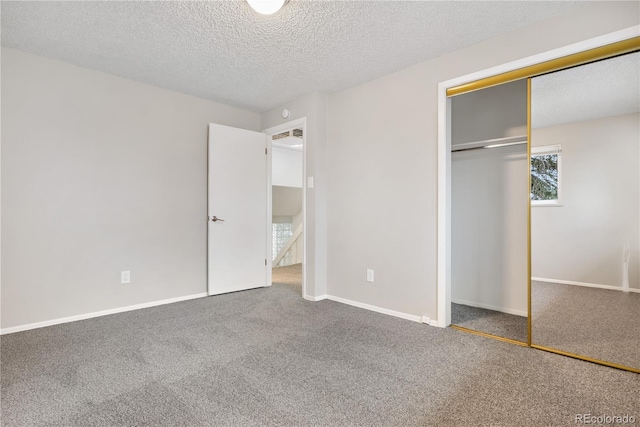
[224,51]
[601,89]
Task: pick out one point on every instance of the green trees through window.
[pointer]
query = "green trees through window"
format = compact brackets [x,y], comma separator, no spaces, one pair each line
[544,177]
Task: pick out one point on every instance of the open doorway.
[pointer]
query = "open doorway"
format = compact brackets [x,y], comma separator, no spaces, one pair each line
[287,206]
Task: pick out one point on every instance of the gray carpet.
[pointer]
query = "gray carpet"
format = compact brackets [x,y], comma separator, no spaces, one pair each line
[599,323]
[289,275]
[490,321]
[268,357]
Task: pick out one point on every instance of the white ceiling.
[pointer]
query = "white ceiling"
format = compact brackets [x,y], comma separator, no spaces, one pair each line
[290,142]
[224,51]
[600,89]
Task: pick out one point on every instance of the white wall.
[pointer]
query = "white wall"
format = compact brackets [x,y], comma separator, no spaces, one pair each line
[286,201]
[382,163]
[282,219]
[489,200]
[286,167]
[298,248]
[495,112]
[583,239]
[314,108]
[100,174]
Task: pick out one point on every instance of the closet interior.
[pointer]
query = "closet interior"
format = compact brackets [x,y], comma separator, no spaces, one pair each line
[489,208]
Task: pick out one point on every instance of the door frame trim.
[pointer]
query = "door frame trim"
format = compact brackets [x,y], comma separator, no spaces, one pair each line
[443,264]
[297,123]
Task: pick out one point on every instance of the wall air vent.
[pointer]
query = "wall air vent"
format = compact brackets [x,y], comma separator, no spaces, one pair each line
[297,133]
[281,135]
[291,139]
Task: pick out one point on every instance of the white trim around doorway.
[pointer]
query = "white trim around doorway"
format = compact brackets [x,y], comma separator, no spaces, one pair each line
[298,123]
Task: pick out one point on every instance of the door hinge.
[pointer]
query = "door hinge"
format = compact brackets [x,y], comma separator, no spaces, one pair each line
[265,261]
[265,151]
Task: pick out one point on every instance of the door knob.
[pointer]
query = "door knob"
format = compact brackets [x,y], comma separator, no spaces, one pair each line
[216,219]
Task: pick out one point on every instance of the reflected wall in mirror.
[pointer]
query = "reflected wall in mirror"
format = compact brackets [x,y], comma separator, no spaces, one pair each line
[489,211]
[585,237]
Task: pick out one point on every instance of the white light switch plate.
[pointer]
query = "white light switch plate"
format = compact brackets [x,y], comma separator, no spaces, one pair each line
[369,275]
[125,277]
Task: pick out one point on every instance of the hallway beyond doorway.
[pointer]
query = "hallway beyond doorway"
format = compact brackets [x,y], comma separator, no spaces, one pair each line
[290,275]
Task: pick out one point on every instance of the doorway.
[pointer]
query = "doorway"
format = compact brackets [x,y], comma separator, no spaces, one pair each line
[287,185]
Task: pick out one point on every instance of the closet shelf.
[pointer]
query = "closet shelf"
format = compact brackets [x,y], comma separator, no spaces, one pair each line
[490,143]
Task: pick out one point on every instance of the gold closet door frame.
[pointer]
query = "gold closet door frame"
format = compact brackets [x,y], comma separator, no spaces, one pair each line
[591,55]
[580,58]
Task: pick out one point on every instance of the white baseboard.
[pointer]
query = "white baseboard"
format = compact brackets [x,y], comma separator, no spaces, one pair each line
[312,298]
[376,309]
[432,322]
[437,324]
[97,314]
[522,313]
[586,285]
[413,318]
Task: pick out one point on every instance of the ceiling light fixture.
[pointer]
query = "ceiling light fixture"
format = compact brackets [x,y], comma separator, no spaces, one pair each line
[266,7]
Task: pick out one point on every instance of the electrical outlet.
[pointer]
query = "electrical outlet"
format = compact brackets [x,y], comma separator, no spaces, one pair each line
[125,277]
[369,275]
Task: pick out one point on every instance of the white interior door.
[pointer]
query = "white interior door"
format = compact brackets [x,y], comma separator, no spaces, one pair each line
[238,217]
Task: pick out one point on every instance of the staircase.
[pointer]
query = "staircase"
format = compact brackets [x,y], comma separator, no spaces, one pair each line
[288,246]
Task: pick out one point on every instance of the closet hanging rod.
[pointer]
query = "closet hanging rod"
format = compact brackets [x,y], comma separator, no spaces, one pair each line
[490,143]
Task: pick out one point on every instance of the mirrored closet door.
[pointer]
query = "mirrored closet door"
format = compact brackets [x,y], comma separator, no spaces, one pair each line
[585,210]
[489,211]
